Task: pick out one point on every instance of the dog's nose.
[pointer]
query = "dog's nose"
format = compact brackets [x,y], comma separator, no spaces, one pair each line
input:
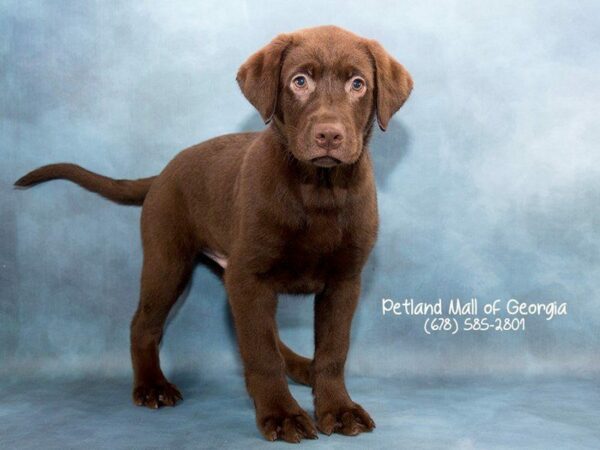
[329,135]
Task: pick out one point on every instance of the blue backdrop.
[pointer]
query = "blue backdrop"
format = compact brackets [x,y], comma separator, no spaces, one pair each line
[488,184]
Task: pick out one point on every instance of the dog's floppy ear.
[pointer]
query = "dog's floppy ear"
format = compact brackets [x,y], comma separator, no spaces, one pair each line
[258,77]
[393,83]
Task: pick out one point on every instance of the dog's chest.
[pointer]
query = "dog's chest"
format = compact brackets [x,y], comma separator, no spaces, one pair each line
[304,261]
[321,234]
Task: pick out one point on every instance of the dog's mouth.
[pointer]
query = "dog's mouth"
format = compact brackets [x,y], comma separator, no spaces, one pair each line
[325,161]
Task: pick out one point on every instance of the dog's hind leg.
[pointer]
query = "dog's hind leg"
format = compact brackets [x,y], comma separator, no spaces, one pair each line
[168,263]
[297,367]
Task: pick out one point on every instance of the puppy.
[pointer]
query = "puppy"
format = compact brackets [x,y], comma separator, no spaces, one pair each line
[290,209]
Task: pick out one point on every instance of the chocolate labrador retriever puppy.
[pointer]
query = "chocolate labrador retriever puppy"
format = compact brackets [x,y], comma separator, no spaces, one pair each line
[290,209]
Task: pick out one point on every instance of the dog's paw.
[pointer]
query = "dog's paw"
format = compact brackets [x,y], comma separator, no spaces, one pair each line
[154,395]
[348,419]
[289,426]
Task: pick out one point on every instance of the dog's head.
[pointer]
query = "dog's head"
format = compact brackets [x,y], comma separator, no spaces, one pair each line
[323,86]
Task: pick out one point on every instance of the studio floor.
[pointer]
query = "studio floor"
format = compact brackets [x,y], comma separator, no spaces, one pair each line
[410,413]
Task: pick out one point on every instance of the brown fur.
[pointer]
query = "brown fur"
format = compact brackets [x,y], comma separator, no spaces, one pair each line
[292,209]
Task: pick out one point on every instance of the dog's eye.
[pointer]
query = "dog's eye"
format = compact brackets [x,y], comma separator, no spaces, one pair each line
[300,81]
[358,84]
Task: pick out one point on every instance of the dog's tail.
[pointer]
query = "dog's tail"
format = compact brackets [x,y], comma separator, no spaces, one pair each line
[127,192]
[296,367]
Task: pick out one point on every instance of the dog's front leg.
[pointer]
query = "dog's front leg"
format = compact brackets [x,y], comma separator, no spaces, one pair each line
[278,415]
[335,411]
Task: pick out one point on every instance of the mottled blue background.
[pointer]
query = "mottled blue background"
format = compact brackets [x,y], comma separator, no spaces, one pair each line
[488,184]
